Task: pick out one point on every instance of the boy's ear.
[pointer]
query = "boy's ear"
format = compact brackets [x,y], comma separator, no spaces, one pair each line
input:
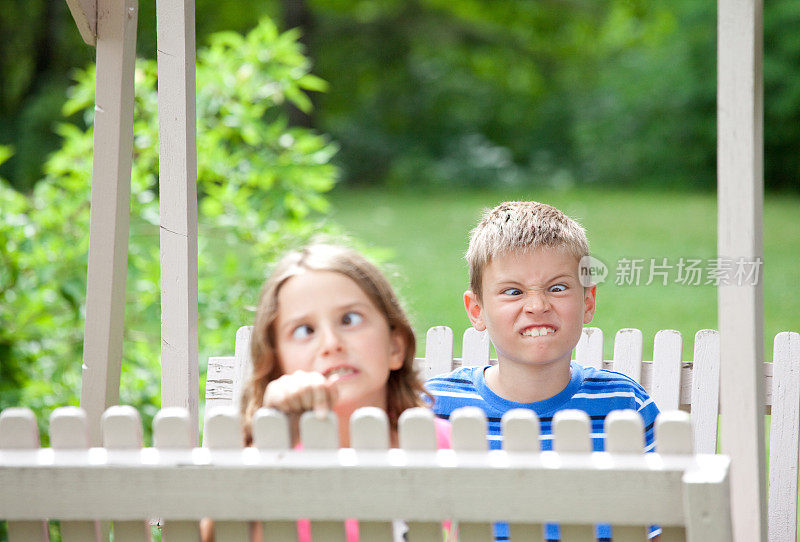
[589,300]
[397,352]
[474,310]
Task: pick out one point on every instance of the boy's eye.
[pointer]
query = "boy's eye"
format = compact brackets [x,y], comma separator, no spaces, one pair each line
[511,291]
[302,332]
[557,288]
[352,319]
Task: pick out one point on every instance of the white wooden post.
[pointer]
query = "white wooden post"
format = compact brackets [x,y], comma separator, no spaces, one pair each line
[177,149]
[110,213]
[740,203]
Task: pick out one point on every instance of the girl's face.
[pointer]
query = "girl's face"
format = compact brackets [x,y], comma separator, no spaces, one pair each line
[327,324]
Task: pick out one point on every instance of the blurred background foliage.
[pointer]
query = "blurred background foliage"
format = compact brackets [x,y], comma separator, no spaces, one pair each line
[468,93]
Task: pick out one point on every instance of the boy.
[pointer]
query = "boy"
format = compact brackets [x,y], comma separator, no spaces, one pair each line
[525,290]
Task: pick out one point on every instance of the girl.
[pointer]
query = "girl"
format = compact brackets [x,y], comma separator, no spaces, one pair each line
[330,334]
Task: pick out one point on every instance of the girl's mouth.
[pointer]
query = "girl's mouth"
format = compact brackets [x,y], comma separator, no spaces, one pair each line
[538,331]
[339,372]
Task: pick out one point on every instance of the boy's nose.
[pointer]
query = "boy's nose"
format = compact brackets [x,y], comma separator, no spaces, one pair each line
[536,302]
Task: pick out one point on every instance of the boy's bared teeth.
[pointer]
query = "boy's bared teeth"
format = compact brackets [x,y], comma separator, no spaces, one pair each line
[538,331]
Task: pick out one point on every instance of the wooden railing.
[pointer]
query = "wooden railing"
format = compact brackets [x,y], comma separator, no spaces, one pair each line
[684,493]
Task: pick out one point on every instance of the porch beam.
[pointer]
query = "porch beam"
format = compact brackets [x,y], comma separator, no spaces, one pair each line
[84,12]
[110,209]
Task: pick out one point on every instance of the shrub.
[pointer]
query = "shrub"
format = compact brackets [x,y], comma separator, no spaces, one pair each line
[261,187]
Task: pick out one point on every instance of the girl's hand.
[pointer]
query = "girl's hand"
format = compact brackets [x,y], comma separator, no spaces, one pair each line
[302,391]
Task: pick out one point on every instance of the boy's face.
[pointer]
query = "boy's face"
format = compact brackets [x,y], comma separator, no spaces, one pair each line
[533,306]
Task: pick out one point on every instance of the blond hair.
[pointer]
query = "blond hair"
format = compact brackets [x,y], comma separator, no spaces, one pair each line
[403,388]
[521,226]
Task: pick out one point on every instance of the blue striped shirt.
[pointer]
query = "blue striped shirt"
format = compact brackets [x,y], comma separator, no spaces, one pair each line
[594,391]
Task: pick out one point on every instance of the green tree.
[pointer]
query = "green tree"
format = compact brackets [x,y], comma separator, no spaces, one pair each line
[41,47]
[261,187]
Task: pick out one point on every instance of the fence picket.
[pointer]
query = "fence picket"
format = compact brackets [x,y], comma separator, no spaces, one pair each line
[673,435]
[438,352]
[319,433]
[520,428]
[369,430]
[241,352]
[271,432]
[220,376]
[416,430]
[469,435]
[223,432]
[475,347]
[18,431]
[589,350]
[418,434]
[572,434]
[625,435]
[783,452]
[624,432]
[628,353]
[69,431]
[469,429]
[122,431]
[705,390]
[172,431]
[121,426]
[322,434]
[223,429]
[665,385]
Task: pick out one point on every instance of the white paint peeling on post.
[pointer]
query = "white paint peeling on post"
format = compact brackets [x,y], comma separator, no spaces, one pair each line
[110,212]
[178,204]
[740,207]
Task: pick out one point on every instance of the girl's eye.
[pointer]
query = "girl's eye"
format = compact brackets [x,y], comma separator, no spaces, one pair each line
[302,332]
[512,291]
[557,288]
[352,319]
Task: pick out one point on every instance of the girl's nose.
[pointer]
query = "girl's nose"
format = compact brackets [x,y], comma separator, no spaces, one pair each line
[330,340]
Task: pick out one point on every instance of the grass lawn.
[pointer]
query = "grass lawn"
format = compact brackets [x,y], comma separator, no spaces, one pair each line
[426,235]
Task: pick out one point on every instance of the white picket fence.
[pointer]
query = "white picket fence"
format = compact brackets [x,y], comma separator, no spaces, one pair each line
[672,382]
[84,487]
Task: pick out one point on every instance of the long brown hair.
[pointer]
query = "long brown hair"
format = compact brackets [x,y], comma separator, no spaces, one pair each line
[403,389]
